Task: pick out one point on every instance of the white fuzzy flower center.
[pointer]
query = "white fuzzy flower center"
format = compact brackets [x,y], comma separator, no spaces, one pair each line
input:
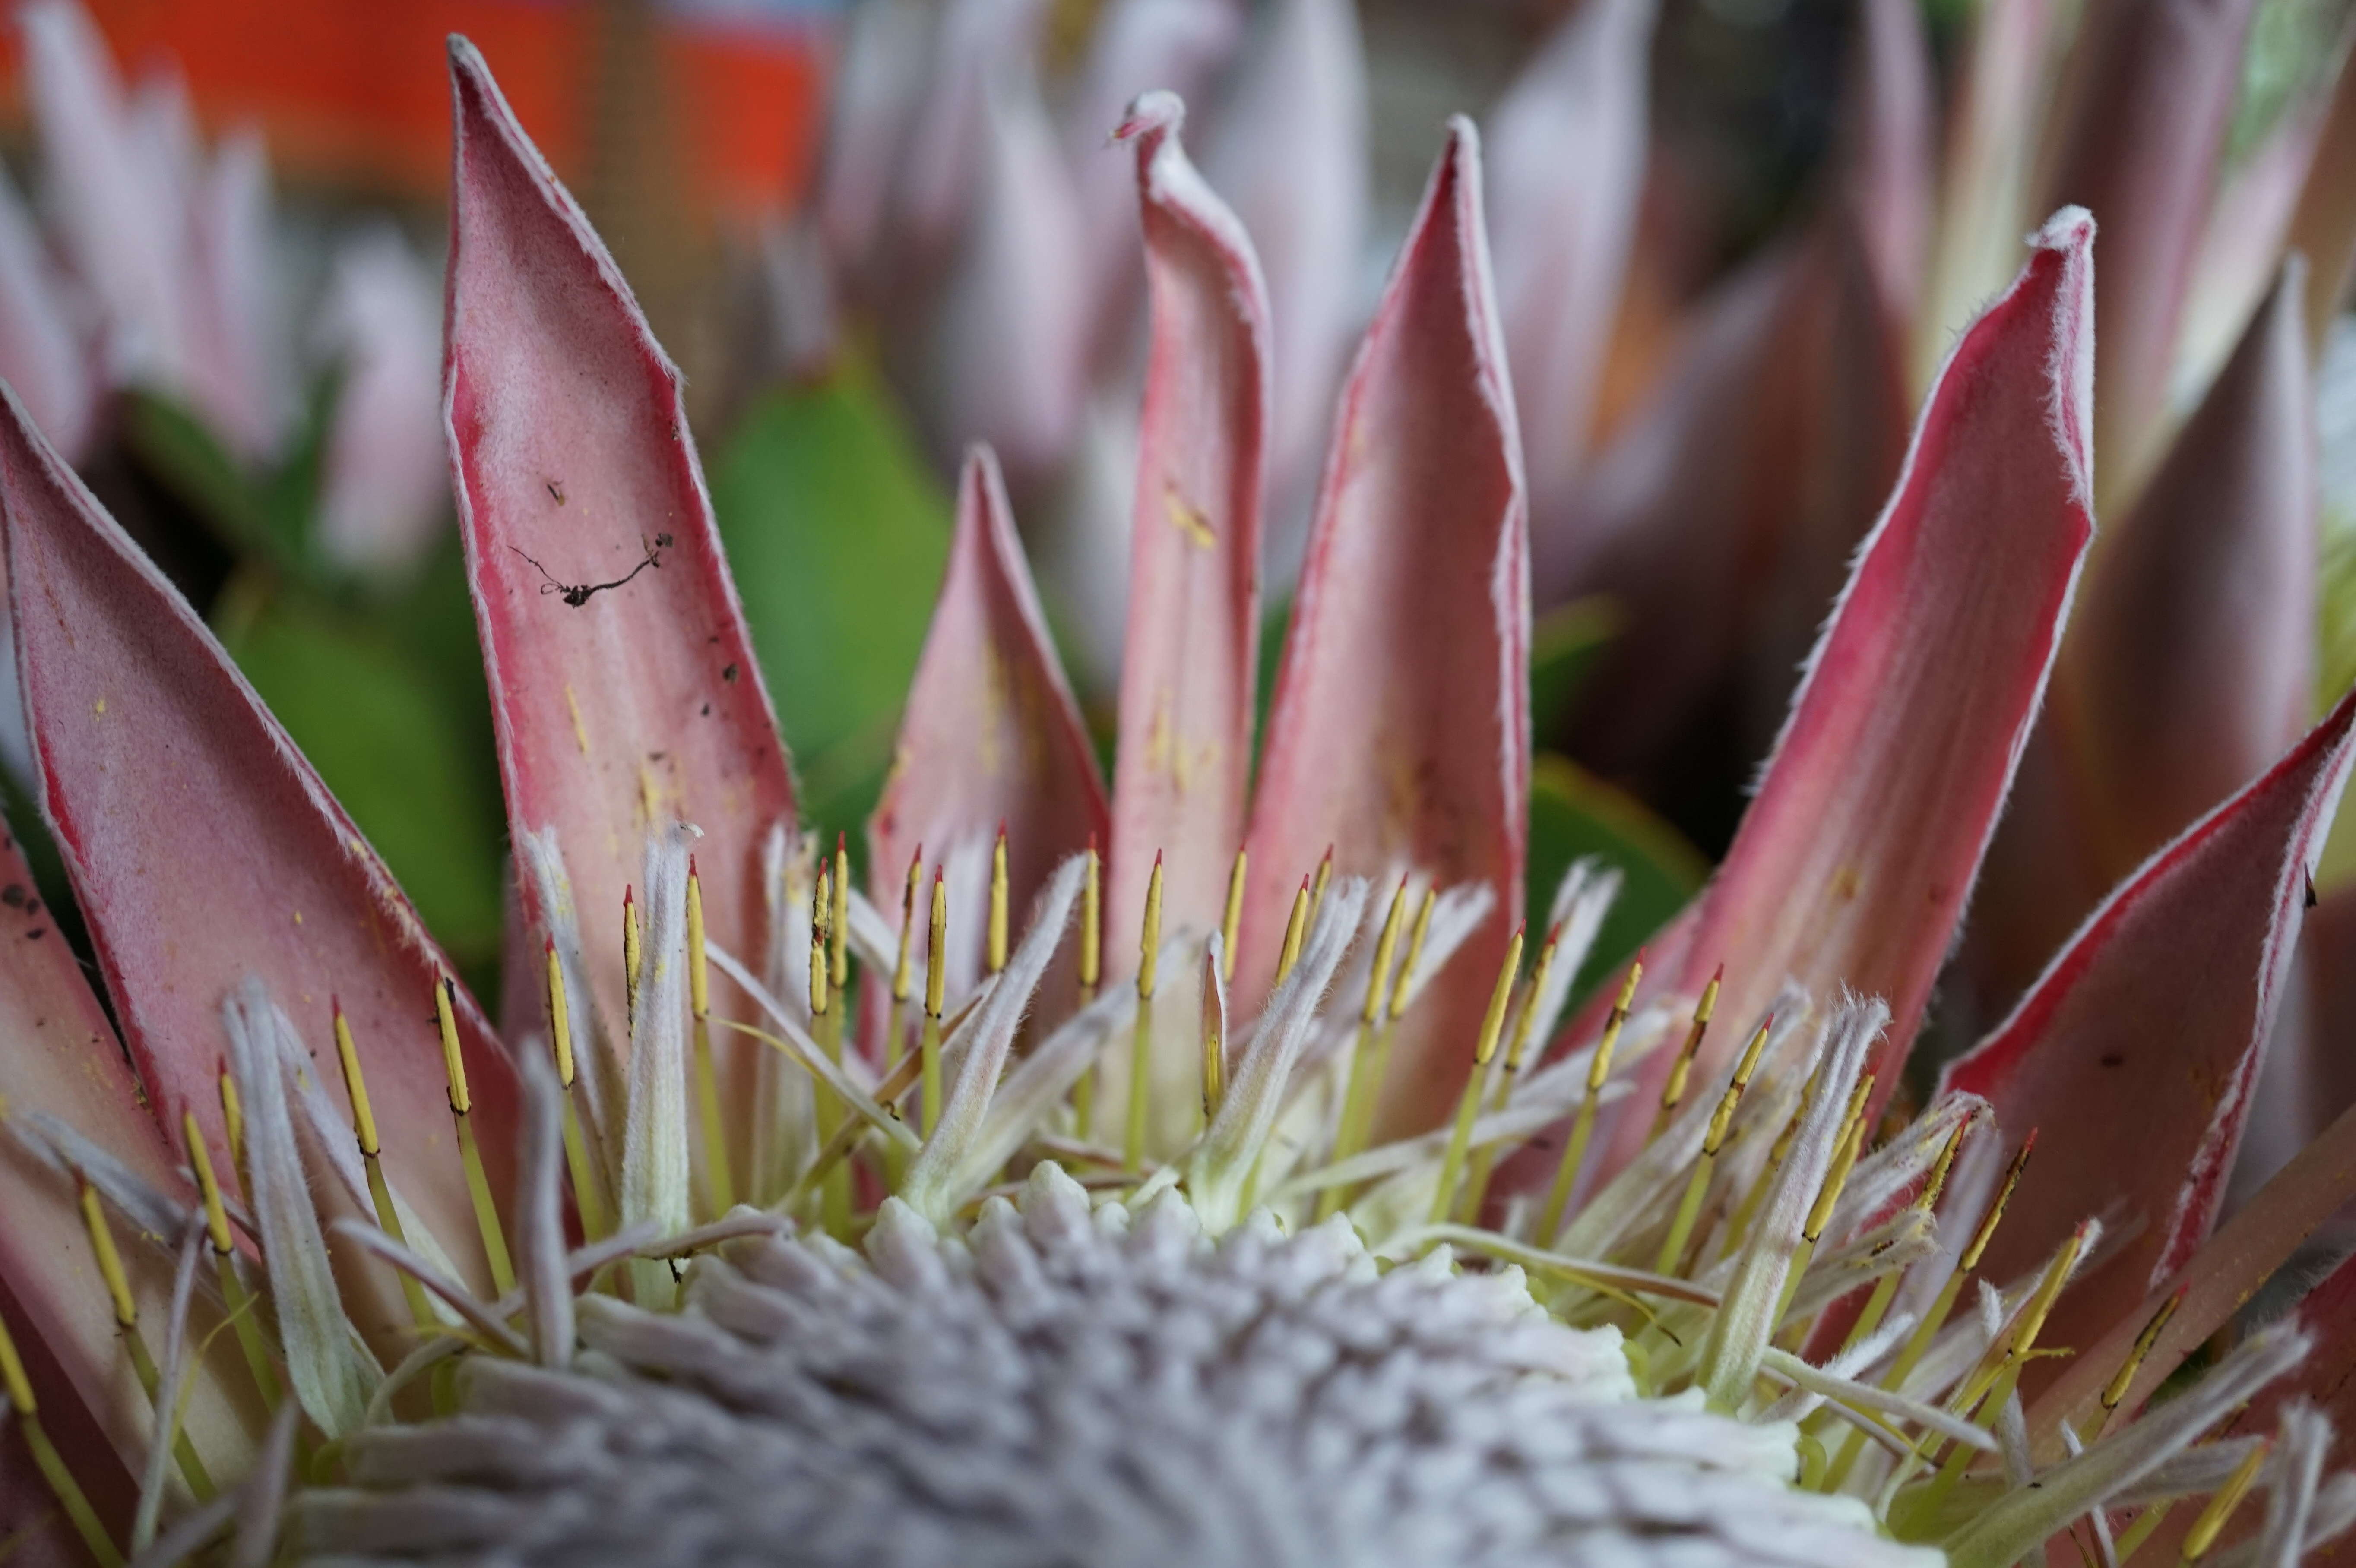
[1064,1385]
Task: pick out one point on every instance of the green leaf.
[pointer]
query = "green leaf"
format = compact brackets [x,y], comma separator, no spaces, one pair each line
[1563,646]
[268,513]
[837,534]
[396,739]
[1573,813]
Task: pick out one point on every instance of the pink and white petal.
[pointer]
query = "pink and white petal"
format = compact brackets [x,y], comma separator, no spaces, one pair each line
[991,736]
[1291,153]
[2189,670]
[1567,148]
[1890,117]
[1189,659]
[204,851]
[2146,1033]
[1853,862]
[63,1061]
[2191,666]
[1995,121]
[879,72]
[974,45]
[385,491]
[2143,111]
[42,357]
[1136,46]
[1006,353]
[237,378]
[2216,1281]
[622,710]
[1400,731]
[119,214]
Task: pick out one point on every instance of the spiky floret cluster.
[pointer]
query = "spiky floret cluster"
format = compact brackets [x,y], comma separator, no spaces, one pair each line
[1073,1384]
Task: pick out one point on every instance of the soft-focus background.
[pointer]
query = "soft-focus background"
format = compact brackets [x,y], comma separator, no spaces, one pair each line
[870,235]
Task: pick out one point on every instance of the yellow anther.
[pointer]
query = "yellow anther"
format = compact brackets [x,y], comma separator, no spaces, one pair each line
[1493,1023]
[1296,926]
[2116,1389]
[936,953]
[632,958]
[999,898]
[487,1213]
[838,928]
[1092,922]
[2031,1322]
[2211,1523]
[1987,1233]
[453,1064]
[232,1122]
[1385,946]
[820,991]
[12,1376]
[1484,1051]
[200,1160]
[1231,923]
[1673,1092]
[1140,1038]
[1214,1044]
[1599,1068]
[699,969]
[1850,1144]
[109,1262]
[1583,1125]
[1937,1182]
[1403,987]
[1325,875]
[585,1192]
[559,1017]
[1721,1121]
[904,968]
[355,1085]
[1149,941]
[1519,1049]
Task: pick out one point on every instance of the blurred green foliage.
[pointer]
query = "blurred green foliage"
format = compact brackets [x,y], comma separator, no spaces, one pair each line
[1573,813]
[837,535]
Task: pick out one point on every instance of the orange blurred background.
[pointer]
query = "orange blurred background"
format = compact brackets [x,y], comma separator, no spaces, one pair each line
[355,98]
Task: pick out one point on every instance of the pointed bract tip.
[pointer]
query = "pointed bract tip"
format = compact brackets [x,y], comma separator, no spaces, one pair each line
[1463,137]
[2069,229]
[1160,109]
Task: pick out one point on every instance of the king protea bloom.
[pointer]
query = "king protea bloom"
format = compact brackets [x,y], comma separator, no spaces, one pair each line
[1203,1173]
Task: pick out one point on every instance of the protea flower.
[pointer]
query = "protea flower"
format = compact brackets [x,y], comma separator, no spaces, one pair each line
[1247,1203]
